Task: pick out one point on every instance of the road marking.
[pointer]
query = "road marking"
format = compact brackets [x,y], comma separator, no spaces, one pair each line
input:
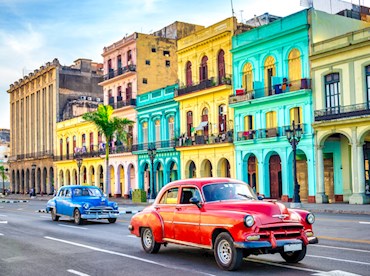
[342,239]
[335,273]
[342,248]
[3,221]
[131,236]
[44,216]
[283,265]
[3,215]
[20,209]
[129,256]
[364,222]
[77,272]
[336,259]
[76,227]
[1,234]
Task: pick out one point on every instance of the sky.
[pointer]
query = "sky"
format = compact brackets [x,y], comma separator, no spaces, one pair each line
[33,32]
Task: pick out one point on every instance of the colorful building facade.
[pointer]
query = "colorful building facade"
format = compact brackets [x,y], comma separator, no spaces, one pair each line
[206,121]
[158,122]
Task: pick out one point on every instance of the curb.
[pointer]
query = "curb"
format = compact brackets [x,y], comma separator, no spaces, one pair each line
[12,201]
[348,212]
[121,212]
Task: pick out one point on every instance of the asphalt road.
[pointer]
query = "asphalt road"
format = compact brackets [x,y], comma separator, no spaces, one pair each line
[32,244]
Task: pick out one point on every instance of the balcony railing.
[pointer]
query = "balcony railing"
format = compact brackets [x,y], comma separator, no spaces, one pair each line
[267,132]
[120,104]
[342,112]
[195,140]
[120,71]
[205,84]
[290,86]
[33,155]
[157,144]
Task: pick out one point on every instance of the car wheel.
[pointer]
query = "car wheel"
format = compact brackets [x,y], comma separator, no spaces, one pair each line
[227,256]
[77,217]
[148,242]
[294,257]
[54,216]
[112,220]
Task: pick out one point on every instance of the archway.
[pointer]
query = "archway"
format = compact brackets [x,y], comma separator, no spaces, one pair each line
[51,182]
[100,172]
[27,184]
[92,176]
[44,181]
[173,172]
[22,182]
[68,177]
[38,182]
[191,170]
[17,182]
[111,181]
[146,177]
[223,168]
[276,187]
[206,169]
[13,181]
[61,178]
[159,176]
[121,175]
[252,171]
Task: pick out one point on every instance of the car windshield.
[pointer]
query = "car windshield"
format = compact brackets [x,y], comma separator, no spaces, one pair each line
[87,192]
[228,191]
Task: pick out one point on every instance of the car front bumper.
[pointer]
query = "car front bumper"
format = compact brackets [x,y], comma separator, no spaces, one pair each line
[268,245]
[100,215]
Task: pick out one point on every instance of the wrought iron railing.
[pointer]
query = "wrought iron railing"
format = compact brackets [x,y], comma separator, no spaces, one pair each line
[342,112]
[120,71]
[204,84]
[216,138]
[157,145]
[33,155]
[242,95]
[268,132]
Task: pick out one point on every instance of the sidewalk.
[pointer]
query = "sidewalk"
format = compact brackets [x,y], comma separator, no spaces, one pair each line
[128,206]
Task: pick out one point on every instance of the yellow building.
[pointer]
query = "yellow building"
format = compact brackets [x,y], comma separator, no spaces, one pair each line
[80,151]
[341,73]
[204,69]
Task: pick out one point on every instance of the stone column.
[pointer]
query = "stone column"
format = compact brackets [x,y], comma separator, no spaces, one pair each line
[358,196]
[320,191]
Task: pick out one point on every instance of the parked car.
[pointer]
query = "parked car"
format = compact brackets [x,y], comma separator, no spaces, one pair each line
[81,203]
[223,215]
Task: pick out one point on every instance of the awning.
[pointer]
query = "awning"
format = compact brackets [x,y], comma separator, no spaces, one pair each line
[201,125]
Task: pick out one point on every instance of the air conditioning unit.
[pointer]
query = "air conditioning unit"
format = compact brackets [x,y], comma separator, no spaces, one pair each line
[98,99]
[89,98]
[82,97]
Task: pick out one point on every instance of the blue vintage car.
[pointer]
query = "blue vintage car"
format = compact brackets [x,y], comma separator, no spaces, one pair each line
[81,203]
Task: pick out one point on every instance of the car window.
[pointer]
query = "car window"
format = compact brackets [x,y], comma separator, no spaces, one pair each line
[87,192]
[170,196]
[61,192]
[228,191]
[187,193]
[68,193]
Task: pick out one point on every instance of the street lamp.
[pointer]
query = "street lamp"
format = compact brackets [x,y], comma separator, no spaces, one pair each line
[152,152]
[294,135]
[34,179]
[79,160]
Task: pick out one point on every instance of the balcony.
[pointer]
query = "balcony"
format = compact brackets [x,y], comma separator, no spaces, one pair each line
[265,133]
[120,71]
[340,112]
[95,151]
[197,140]
[205,84]
[289,86]
[33,155]
[126,103]
[157,144]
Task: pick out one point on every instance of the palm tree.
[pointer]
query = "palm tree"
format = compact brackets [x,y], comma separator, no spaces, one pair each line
[111,127]
[3,176]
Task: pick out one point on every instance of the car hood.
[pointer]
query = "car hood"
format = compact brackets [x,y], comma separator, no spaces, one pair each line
[93,200]
[266,212]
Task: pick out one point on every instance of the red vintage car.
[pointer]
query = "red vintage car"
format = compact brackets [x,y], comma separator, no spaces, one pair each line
[223,215]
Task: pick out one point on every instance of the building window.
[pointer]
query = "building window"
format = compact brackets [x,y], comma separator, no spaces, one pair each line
[248,77]
[166,53]
[129,92]
[367,73]
[74,143]
[158,130]
[145,80]
[270,119]
[332,92]
[168,63]
[147,62]
[154,50]
[296,116]
[270,71]
[189,122]
[91,141]
[221,66]
[171,128]
[129,57]
[83,140]
[61,146]
[248,123]
[67,146]
[119,62]
[203,69]
[119,93]
[189,81]
[294,65]
[145,132]
[222,118]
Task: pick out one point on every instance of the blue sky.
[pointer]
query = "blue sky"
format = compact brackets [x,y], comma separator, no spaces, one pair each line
[33,32]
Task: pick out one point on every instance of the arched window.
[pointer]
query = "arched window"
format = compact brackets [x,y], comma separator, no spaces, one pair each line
[222,118]
[248,77]
[296,116]
[332,92]
[67,146]
[270,71]
[203,69]
[129,92]
[189,122]
[367,73]
[205,119]
[189,78]
[171,128]
[294,65]
[91,141]
[61,147]
[221,66]
[145,132]
[74,143]
[157,124]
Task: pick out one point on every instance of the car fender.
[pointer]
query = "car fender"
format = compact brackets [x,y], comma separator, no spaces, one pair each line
[148,219]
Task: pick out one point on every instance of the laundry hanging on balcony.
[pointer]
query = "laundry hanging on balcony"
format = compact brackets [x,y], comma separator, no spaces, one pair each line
[201,126]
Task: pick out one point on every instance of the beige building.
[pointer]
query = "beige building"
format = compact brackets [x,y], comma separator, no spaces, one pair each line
[37,102]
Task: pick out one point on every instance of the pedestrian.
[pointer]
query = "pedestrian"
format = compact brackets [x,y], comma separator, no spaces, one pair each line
[31,192]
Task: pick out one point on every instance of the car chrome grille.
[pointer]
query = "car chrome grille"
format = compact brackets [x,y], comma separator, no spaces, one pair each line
[101,210]
[280,232]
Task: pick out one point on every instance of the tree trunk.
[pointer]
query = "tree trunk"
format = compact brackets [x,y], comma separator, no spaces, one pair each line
[107,170]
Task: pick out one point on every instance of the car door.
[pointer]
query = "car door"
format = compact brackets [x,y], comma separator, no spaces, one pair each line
[187,216]
[67,203]
[166,208]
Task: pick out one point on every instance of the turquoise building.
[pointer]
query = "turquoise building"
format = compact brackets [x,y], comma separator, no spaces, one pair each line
[272,92]
[158,127]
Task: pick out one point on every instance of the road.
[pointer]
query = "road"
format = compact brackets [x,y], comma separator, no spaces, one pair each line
[32,244]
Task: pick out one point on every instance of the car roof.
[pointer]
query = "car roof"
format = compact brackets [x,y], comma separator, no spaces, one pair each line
[77,186]
[200,182]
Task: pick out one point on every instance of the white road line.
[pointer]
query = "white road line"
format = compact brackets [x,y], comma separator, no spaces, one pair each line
[339,260]
[20,209]
[45,217]
[341,248]
[283,265]
[77,272]
[131,236]
[3,215]
[1,234]
[128,256]
[76,227]
[3,221]
[364,222]
[335,273]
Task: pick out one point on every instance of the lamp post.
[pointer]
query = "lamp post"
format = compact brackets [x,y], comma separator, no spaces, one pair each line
[152,152]
[34,179]
[79,160]
[294,135]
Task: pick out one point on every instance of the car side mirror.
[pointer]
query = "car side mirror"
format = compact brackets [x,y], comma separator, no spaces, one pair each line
[260,197]
[195,200]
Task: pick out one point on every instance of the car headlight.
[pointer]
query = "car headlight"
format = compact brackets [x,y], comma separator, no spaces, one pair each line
[248,220]
[86,205]
[115,205]
[310,218]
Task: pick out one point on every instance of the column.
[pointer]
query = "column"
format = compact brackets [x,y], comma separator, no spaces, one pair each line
[320,191]
[358,196]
